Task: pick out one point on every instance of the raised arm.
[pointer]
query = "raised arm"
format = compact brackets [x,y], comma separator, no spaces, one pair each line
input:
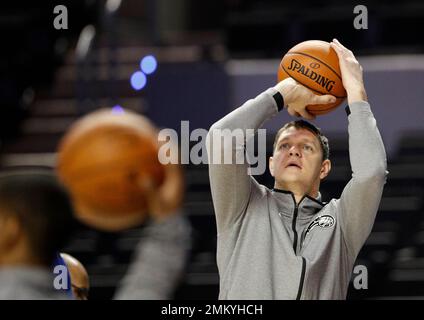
[160,257]
[159,260]
[361,197]
[230,183]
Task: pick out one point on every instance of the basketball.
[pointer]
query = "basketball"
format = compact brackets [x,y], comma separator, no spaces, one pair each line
[315,65]
[104,160]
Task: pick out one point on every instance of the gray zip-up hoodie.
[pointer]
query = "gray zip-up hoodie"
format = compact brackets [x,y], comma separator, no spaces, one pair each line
[269,247]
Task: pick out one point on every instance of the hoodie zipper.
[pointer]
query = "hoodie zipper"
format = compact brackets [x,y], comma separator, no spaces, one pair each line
[302,276]
[295,236]
[302,279]
[296,208]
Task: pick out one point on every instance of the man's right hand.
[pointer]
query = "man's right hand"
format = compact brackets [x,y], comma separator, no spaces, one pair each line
[351,73]
[297,97]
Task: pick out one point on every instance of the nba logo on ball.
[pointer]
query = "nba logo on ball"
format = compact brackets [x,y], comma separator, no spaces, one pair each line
[315,65]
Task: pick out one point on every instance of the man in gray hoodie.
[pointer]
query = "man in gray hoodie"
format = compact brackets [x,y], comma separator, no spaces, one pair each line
[285,243]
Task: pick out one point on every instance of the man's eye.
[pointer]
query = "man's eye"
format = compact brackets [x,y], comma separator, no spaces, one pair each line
[307,147]
[284,145]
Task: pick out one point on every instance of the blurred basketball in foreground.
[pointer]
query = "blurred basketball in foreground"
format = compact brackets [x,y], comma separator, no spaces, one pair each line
[107,160]
[315,65]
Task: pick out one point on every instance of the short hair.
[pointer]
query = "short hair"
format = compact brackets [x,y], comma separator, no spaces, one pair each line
[42,207]
[302,124]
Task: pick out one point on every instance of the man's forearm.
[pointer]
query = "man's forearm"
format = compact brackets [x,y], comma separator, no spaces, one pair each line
[252,114]
[366,149]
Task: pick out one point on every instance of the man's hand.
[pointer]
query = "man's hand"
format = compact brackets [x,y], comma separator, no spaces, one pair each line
[351,73]
[168,198]
[297,97]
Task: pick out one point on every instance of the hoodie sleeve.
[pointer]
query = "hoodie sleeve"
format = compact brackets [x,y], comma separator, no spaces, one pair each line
[361,197]
[230,182]
[159,261]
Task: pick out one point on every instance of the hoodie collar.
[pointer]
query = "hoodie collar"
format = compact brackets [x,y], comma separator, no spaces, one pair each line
[307,207]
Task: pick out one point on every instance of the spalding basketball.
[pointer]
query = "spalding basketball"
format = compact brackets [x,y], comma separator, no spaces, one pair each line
[105,160]
[315,65]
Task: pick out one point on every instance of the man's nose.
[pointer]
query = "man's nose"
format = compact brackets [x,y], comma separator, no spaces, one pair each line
[294,151]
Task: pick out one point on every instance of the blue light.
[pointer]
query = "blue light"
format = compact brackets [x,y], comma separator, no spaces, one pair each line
[117,109]
[138,80]
[148,64]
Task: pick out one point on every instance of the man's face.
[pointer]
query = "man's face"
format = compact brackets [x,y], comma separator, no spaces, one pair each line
[297,159]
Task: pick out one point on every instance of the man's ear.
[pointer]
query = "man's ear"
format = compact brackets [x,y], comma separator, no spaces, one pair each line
[271,166]
[325,169]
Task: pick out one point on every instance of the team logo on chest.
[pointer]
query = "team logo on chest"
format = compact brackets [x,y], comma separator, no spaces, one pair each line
[324,221]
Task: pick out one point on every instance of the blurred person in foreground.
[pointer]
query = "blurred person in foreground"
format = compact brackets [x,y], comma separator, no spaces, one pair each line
[36,220]
[129,154]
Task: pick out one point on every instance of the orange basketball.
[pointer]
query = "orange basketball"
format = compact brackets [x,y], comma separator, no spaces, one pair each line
[315,65]
[104,160]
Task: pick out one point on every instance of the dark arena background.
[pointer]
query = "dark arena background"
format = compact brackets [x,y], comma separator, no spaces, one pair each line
[213,55]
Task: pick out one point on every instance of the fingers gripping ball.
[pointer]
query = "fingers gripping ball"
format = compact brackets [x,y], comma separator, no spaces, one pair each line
[315,65]
[106,160]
